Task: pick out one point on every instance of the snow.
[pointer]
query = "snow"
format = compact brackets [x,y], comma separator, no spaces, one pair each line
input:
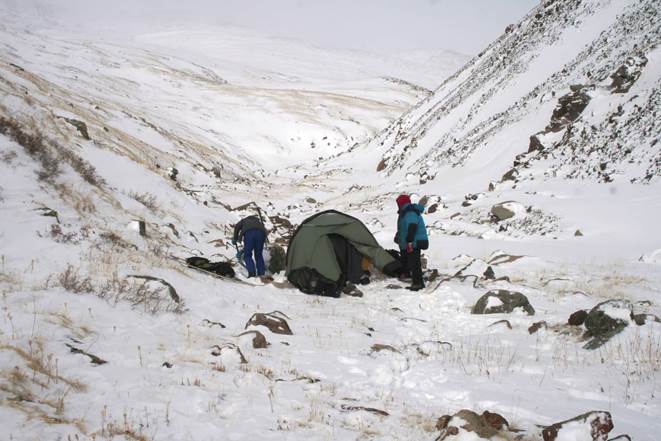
[158,102]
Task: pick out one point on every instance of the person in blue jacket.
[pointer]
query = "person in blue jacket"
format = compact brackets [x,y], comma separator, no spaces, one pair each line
[411,237]
[253,233]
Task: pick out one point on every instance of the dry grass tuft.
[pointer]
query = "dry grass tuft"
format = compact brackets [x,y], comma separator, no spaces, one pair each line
[143,295]
[48,153]
[148,200]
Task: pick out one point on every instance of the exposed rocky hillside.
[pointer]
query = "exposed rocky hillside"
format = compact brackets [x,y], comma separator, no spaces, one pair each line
[570,91]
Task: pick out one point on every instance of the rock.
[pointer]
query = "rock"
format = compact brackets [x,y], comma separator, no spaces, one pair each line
[492,187]
[272,321]
[172,173]
[506,210]
[510,175]
[536,327]
[606,320]
[627,74]
[278,259]
[432,209]
[466,204]
[502,301]
[641,319]
[495,420]
[466,421]
[258,340]
[578,233]
[381,166]
[442,422]
[535,144]
[577,318]
[569,108]
[80,126]
[216,170]
[489,274]
[595,425]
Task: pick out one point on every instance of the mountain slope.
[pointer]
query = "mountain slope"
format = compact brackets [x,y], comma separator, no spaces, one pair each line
[524,84]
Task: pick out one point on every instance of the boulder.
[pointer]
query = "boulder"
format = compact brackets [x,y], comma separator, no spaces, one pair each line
[500,301]
[590,426]
[506,210]
[577,318]
[606,320]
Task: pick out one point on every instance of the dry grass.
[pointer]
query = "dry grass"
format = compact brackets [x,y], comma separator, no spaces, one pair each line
[148,200]
[139,294]
[48,153]
[35,145]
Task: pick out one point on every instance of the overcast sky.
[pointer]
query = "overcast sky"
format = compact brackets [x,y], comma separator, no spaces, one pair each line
[383,26]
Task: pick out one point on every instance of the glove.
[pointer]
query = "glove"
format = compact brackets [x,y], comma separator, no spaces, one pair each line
[409,247]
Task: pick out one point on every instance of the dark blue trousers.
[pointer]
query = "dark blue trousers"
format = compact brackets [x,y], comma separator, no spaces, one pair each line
[253,243]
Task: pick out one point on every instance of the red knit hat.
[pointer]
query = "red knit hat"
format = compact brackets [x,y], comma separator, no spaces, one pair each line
[402,200]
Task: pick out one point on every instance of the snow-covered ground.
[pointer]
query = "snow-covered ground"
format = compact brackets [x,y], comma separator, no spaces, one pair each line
[239,129]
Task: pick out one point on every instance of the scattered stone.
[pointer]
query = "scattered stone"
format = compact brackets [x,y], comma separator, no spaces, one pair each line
[45,211]
[167,364]
[381,166]
[578,233]
[503,322]
[577,318]
[468,421]
[495,420]
[216,170]
[489,274]
[502,301]
[348,408]
[93,358]
[273,322]
[173,292]
[492,186]
[217,351]
[598,423]
[535,144]
[80,126]
[606,320]
[536,327]
[211,324]
[172,173]
[510,175]
[378,347]
[466,204]
[506,210]
[258,341]
[432,208]
[627,74]
[641,319]
[442,422]
[393,286]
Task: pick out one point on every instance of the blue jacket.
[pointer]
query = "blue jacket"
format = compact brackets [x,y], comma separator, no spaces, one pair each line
[411,227]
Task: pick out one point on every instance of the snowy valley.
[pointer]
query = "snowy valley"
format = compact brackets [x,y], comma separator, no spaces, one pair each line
[539,164]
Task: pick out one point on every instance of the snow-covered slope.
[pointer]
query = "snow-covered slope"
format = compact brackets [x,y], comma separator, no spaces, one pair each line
[91,133]
[572,91]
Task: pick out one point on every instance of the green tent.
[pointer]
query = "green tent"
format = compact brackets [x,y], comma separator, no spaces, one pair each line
[326,251]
